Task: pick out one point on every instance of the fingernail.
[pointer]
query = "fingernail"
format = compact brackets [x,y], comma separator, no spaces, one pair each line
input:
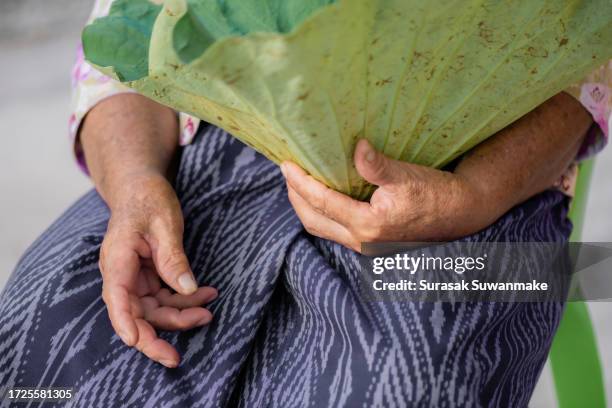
[204,321]
[187,283]
[283,169]
[122,336]
[168,363]
[371,155]
[214,296]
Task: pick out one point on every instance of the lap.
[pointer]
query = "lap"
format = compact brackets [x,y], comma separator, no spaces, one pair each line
[289,325]
[339,350]
[54,329]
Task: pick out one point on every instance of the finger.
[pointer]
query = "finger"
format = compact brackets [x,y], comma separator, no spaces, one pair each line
[117,301]
[170,259]
[152,280]
[148,280]
[136,307]
[202,296]
[169,318]
[332,204]
[148,303]
[142,283]
[119,259]
[319,225]
[120,265]
[375,167]
[155,348]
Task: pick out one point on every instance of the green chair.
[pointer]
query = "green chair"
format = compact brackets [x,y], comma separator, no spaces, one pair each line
[574,357]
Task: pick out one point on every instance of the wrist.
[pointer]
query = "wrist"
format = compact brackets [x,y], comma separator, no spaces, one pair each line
[136,188]
[476,206]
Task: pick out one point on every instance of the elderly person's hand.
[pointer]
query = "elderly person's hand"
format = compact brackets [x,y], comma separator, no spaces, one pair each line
[130,144]
[411,203]
[416,203]
[143,243]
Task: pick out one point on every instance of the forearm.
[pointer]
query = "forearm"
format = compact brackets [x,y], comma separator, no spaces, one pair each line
[130,143]
[527,157]
[128,136]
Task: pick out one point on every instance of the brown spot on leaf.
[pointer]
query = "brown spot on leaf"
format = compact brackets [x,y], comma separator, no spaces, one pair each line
[430,74]
[384,81]
[232,81]
[534,52]
[423,119]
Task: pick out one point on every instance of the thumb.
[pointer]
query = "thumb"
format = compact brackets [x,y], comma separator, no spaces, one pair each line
[170,260]
[375,167]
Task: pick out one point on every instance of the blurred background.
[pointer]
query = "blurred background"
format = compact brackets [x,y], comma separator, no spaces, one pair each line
[38,178]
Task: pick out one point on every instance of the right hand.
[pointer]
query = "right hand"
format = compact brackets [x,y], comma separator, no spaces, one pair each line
[143,243]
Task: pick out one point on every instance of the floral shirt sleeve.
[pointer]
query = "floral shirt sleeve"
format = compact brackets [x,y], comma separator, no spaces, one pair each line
[595,94]
[89,86]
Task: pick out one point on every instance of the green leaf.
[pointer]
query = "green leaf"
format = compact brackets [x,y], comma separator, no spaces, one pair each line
[207,21]
[303,80]
[122,38]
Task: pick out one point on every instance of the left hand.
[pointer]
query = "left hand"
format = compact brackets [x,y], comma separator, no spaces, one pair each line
[412,203]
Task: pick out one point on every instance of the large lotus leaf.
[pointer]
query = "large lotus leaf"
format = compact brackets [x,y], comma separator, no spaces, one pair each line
[425,81]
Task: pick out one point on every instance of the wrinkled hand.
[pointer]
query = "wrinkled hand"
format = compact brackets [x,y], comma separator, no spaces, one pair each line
[412,203]
[143,243]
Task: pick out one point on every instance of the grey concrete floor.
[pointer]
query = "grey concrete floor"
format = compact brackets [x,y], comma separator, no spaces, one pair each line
[38,179]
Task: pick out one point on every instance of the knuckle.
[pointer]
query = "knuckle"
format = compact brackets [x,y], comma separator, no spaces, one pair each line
[380,167]
[315,198]
[103,256]
[105,296]
[308,224]
[183,325]
[173,260]
[116,254]
[322,204]
[292,196]
[358,224]
[142,347]
[366,230]
[371,234]
[356,246]
[311,229]
[166,223]
[118,261]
